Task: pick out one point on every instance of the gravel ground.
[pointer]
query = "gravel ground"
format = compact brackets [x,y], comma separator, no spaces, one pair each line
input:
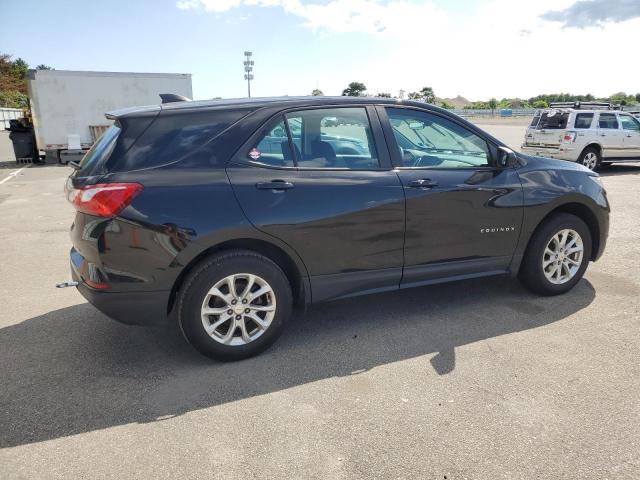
[471,380]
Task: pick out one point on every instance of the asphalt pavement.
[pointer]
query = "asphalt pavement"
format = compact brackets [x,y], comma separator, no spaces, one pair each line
[471,380]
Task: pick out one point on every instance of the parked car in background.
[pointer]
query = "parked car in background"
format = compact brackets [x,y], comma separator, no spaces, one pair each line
[592,134]
[179,209]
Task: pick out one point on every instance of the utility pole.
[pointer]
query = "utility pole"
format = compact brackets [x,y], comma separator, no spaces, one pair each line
[248,68]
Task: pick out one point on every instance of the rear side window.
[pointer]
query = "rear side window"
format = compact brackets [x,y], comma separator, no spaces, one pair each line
[93,159]
[608,120]
[583,120]
[171,137]
[535,120]
[333,138]
[553,120]
[273,146]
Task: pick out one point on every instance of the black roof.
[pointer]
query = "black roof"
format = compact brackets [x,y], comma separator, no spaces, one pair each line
[259,102]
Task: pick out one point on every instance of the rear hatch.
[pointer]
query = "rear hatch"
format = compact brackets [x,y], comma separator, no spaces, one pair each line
[549,129]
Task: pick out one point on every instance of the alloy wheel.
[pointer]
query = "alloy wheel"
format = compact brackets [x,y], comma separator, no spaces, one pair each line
[238,309]
[590,160]
[563,256]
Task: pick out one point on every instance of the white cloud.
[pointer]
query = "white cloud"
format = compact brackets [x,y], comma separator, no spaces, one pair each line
[366,16]
[502,48]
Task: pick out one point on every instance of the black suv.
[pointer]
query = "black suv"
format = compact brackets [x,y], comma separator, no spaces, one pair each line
[230,213]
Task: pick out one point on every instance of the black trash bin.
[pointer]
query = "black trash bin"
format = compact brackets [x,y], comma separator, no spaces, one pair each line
[23,139]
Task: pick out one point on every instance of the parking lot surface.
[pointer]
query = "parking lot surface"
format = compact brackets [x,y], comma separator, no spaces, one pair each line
[471,380]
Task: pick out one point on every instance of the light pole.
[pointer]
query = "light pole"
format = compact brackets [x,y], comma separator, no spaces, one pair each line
[248,68]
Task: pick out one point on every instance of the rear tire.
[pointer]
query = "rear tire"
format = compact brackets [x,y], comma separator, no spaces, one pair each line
[551,267]
[223,312]
[591,158]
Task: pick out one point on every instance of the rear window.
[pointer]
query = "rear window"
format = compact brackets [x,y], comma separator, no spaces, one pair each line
[172,137]
[553,119]
[535,120]
[99,151]
[583,120]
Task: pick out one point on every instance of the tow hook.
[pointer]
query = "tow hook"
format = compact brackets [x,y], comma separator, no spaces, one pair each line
[67,284]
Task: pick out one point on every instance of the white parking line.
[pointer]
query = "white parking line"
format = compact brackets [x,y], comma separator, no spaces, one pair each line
[11,175]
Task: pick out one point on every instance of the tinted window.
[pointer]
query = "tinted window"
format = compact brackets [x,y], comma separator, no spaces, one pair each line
[172,137]
[333,138]
[272,148]
[553,119]
[535,120]
[427,140]
[583,120]
[100,151]
[608,120]
[629,123]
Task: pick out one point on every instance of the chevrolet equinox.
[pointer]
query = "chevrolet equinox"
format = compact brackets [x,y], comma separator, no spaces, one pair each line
[227,214]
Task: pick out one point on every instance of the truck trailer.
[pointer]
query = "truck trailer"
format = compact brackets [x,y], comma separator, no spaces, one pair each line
[68,107]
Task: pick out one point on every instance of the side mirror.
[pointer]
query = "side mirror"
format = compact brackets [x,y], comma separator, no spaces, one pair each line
[506,157]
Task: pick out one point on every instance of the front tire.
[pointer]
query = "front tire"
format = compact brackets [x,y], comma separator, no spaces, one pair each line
[557,256]
[591,159]
[234,305]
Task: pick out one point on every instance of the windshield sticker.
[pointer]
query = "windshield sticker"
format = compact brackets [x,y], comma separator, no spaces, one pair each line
[254,153]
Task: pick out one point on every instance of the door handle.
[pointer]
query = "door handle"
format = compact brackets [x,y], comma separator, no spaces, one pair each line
[603,134]
[274,185]
[423,183]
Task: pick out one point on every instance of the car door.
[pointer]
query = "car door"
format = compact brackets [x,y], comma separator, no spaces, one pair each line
[341,211]
[631,131]
[610,136]
[464,213]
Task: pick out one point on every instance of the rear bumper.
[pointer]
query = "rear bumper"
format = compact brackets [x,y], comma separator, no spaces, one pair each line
[561,153]
[132,308]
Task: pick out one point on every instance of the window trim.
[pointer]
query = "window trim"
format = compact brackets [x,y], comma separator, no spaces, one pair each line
[393,145]
[384,160]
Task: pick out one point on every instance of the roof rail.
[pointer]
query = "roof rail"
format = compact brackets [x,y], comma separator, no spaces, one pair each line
[585,105]
[173,97]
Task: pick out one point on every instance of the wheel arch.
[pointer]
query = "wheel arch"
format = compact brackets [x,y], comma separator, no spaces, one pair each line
[594,145]
[295,273]
[584,213]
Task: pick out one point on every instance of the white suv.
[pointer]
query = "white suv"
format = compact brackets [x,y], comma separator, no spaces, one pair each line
[589,133]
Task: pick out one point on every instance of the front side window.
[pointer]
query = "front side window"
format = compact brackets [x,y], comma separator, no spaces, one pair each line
[426,140]
[629,123]
[608,120]
[333,138]
[583,120]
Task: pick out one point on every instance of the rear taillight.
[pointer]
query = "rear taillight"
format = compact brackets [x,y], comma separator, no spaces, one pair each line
[103,199]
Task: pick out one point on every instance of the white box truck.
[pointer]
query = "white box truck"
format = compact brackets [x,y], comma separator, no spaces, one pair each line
[68,107]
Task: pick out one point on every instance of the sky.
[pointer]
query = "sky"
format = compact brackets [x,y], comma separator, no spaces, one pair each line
[475,48]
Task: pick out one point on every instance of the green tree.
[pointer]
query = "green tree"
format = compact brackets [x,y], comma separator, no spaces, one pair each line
[638,97]
[447,105]
[42,66]
[540,104]
[493,103]
[383,95]
[414,96]
[427,95]
[355,89]
[317,92]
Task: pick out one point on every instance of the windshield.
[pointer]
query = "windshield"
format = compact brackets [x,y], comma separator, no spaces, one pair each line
[99,151]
